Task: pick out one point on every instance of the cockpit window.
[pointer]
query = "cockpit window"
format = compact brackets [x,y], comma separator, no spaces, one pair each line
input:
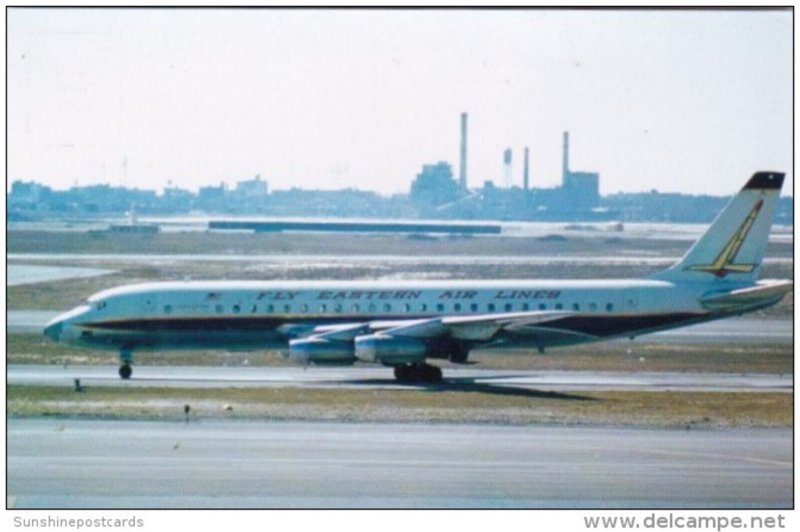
[100,305]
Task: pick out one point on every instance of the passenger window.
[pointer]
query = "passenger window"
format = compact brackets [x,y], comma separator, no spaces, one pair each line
[407,308]
[576,306]
[542,306]
[270,308]
[355,307]
[254,309]
[559,306]
[304,307]
[609,307]
[509,307]
[236,309]
[592,306]
[387,307]
[287,308]
[490,307]
[323,309]
[457,307]
[167,309]
[474,307]
[337,307]
[526,307]
[423,307]
[439,307]
[219,309]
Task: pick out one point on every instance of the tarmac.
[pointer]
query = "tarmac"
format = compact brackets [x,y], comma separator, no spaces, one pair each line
[376,377]
[65,463]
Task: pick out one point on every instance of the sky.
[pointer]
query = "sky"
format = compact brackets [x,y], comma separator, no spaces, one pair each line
[679,101]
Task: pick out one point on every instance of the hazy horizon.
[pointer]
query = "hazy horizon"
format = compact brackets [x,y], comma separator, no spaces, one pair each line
[688,101]
[231,185]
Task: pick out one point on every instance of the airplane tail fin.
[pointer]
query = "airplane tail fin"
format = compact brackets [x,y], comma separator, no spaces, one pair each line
[733,246]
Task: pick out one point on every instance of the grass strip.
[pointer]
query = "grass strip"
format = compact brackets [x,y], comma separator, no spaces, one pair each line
[444,403]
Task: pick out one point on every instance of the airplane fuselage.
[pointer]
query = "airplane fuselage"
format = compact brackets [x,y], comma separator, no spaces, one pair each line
[244,315]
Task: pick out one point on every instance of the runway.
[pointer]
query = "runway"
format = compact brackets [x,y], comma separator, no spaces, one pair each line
[379,377]
[58,463]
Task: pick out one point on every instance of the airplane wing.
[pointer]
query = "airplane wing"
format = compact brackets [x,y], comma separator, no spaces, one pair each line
[478,328]
[396,342]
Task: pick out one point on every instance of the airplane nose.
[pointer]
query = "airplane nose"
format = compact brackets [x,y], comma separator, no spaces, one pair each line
[60,328]
[53,330]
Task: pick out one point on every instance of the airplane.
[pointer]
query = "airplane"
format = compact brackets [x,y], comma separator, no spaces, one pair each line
[404,324]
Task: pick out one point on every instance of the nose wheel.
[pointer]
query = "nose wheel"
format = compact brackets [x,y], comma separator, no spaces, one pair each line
[125,371]
[126,357]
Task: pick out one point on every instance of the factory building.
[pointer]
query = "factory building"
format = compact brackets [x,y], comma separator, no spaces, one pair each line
[580,189]
[255,188]
[435,186]
[578,197]
[435,191]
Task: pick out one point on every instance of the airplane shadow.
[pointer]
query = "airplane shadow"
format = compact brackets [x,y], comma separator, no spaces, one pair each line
[470,385]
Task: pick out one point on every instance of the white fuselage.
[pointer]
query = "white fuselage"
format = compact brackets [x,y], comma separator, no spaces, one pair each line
[266,314]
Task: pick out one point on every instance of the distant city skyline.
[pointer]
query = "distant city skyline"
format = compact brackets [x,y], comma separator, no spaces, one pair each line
[688,101]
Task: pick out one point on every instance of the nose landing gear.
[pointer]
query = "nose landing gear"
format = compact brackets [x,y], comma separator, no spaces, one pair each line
[126,357]
[125,371]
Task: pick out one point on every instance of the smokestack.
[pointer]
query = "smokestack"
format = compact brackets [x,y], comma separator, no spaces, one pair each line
[525,183]
[507,154]
[462,172]
[565,164]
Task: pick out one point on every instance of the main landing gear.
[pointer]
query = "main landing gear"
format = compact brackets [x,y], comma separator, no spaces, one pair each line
[418,373]
[126,357]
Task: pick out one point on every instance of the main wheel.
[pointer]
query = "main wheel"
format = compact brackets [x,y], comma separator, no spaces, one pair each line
[125,371]
[405,373]
[430,373]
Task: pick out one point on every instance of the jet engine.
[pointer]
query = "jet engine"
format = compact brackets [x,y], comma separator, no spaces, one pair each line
[321,352]
[390,350]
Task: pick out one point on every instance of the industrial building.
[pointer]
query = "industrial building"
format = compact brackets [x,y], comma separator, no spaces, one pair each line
[577,197]
[435,187]
[581,189]
[436,192]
